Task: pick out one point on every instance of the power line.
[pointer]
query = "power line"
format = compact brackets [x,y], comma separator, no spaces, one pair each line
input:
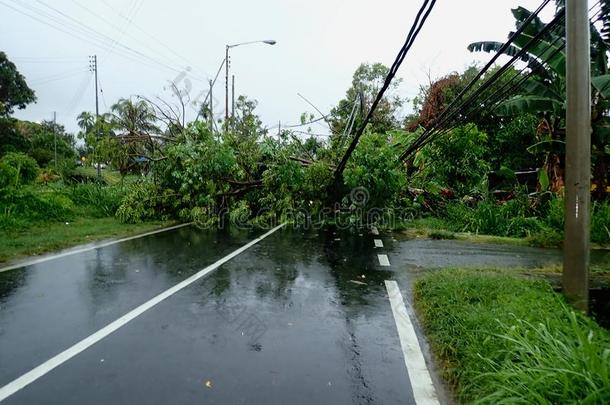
[78,95]
[454,108]
[152,37]
[76,29]
[57,76]
[210,91]
[135,7]
[422,16]
[471,106]
[105,37]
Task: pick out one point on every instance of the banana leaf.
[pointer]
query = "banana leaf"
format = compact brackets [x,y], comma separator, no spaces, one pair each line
[528,104]
[602,84]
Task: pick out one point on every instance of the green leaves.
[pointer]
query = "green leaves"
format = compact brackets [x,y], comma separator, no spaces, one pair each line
[14,91]
[523,104]
[602,85]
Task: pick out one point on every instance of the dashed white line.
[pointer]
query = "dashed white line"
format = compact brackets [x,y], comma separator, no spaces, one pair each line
[378,243]
[419,375]
[34,374]
[88,248]
[383,260]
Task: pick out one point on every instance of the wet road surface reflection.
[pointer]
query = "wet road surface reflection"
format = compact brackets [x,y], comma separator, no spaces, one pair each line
[298,318]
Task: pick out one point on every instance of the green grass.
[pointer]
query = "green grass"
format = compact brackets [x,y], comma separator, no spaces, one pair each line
[434,228]
[46,237]
[112,177]
[502,338]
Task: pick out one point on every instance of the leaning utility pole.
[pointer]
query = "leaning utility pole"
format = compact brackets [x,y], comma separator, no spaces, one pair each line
[578,155]
[93,68]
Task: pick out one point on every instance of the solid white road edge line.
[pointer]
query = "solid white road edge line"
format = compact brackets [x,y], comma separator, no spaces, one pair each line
[421,382]
[378,243]
[88,248]
[383,260]
[34,374]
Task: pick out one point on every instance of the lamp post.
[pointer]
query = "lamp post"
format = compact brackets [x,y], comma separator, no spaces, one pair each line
[227,61]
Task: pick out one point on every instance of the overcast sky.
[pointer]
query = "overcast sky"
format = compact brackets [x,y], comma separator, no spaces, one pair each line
[144,44]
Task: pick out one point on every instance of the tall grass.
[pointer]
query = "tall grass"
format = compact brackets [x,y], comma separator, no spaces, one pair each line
[542,223]
[19,207]
[512,218]
[99,200]
[561,364]
[504,339]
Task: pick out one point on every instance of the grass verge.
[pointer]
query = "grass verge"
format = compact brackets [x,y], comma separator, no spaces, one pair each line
[433,228]
[502,338]
[50,236]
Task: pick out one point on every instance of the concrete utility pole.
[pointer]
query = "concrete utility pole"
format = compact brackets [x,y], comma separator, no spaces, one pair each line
[233,97]
[578,155]
[93,67]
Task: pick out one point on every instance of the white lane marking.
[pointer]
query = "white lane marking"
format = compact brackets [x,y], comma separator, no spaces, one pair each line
[421,382]
[34,374]
[378,243]
[383,260]
[375,231]
[88,248]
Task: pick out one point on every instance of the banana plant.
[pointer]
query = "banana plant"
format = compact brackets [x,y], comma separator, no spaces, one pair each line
[544,92]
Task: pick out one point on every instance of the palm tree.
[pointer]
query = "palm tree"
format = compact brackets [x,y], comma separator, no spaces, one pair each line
[85,121]
[136,125]
[544,92]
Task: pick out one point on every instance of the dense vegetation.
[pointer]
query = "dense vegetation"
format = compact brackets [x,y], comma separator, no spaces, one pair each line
[504,339]
[501,173]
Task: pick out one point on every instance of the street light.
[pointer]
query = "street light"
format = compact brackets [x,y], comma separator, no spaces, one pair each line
[268,42]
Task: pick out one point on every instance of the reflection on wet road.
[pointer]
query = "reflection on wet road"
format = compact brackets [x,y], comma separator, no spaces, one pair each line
[301,317]
[283,322]
[47,307]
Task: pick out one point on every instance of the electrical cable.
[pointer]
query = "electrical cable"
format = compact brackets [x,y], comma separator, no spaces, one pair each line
[448,114]
[80,31]
[422,16]
[497,97]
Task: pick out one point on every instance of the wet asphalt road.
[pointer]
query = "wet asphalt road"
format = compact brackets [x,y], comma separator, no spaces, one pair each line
[284,322]
[280,323]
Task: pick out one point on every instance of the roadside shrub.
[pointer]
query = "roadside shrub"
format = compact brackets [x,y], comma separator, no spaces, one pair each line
[600,223]
[70,174]
[26,167]
[20,207]
[47,175]
[512,218]
[140,203]
[102,201]
[457,162]
[376,171]
[8,175]
[546,236]
[553,222]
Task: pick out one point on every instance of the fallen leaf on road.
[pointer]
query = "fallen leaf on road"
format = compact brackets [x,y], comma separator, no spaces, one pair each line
[208,384]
